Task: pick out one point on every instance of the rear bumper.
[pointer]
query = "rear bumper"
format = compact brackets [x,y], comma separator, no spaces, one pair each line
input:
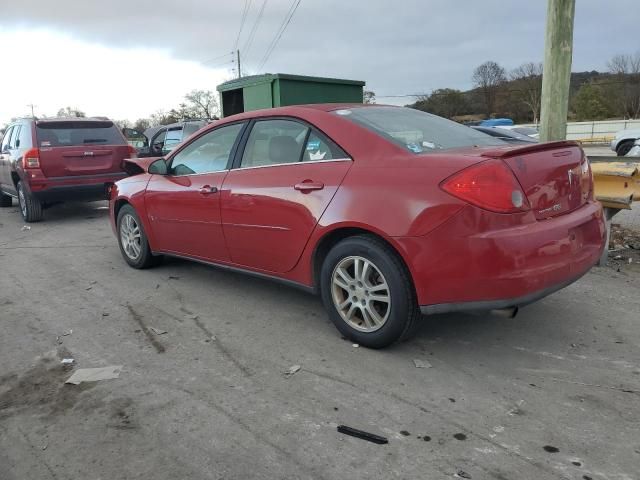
[82,188]
[479,260]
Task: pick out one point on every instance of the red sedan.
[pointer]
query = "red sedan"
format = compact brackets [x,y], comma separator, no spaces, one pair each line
[387,212]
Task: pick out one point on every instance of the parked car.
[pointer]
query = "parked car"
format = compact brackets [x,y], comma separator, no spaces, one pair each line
[161,140]
[47,161]
[509,136]
[387,212]
[528,131]
[635,150]
[624,140]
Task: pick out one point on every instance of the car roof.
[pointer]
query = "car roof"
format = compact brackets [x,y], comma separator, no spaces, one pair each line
[71,119]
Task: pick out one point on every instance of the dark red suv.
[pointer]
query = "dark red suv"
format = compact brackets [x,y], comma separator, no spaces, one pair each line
[48,161]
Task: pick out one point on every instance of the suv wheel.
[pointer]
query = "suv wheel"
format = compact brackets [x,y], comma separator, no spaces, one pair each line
[5,200]
[132,239]
[30,207]
[368,292]
[624,148]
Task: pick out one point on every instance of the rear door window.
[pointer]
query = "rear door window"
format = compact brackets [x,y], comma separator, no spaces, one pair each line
[78,133]
[172,138]
[15,138]
[274,142]
[6,139]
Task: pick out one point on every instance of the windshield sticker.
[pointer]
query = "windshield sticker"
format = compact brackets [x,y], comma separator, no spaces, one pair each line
[45,144]
[313,145]
[414,148]
[429,145]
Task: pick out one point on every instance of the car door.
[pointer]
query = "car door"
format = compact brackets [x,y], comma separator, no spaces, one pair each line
[5,160]
[184,205]
[285,178]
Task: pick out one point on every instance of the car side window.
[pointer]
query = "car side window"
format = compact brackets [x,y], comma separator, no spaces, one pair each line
[5,140]
[25,136]
[208,153]
[171,139]
[15,138]
[274,142]
[157,142]
[319,147]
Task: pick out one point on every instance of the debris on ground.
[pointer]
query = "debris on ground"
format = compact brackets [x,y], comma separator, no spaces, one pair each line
[105,314]
[462,474]
[94,374]
[173,277]
[355,345]
[369,437]
[624,247]
[157,331]
[421,363]
[67,361]
[292,371]
[26,227]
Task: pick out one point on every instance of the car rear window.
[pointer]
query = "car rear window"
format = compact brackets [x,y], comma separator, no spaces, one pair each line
[71,134]
[416,131]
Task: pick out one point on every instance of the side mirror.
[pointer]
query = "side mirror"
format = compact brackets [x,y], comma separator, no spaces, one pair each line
[159,167]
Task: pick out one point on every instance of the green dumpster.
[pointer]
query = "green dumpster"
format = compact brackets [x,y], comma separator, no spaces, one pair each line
[280,89]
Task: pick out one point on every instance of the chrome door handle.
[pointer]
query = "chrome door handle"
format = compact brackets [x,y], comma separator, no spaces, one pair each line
[307,186]
[207,189]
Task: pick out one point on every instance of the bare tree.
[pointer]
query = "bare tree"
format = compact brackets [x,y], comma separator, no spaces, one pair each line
[368,96]
[527,80]
[627,95]
[71,112]
[201,104]
[488,78]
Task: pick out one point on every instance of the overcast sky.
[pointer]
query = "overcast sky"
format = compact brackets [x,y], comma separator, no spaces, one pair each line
[130,58]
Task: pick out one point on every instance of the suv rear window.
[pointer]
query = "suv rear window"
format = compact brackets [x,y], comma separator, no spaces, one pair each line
[416,131]
[78,133]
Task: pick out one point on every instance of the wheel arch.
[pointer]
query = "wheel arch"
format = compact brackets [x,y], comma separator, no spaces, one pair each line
[332,237]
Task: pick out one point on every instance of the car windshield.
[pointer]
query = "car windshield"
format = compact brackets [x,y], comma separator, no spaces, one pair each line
[78,133]
[525,130]
[416,131]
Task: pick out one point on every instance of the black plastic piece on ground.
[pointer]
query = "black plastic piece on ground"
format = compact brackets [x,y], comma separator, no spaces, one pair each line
[370,437]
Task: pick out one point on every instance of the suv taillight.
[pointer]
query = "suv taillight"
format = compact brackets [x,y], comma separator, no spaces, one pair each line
[31,158]
[490,185]
[133,153]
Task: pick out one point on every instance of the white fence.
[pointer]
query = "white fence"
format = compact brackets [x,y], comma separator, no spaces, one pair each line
[602,131]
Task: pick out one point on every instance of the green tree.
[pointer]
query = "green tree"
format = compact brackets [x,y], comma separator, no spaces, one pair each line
[590,103]
[445,102]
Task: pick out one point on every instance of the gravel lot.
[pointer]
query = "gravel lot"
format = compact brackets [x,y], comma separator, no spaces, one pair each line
[551,394]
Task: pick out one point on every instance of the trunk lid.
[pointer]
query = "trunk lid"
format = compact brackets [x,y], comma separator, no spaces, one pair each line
[80,147]
[554,176]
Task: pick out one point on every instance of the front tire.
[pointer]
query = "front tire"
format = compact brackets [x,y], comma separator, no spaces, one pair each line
[368,292]
[30,207]
[624,148]
[132,239]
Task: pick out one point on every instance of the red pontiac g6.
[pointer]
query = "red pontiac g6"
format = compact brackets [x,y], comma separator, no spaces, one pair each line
[387,212]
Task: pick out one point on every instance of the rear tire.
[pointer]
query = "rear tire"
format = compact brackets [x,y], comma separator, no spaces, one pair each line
[30,207]
[5,200]
[624,148]
[133,241]
[367,292]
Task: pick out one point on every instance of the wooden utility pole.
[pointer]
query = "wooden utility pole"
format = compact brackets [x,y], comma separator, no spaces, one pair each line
[556,74]
[239,70]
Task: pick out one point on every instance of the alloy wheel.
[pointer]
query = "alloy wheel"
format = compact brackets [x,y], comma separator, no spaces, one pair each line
[130,237]
[360,294]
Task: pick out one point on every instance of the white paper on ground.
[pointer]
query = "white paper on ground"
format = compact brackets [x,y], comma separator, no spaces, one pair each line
[94,374]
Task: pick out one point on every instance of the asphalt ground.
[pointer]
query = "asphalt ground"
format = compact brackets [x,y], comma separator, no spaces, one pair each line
[551,394]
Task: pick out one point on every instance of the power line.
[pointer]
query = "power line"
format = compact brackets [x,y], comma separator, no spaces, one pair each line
[217,58]
[247,6]
[254,29]
[283,27]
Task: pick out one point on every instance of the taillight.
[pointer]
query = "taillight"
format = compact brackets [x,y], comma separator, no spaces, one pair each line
[490,185]
[586,178]
[31,158]
[133,153]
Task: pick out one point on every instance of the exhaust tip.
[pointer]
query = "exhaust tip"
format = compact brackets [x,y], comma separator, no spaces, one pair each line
[510,312]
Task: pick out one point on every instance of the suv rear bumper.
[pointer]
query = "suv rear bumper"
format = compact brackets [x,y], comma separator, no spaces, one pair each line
[78,188]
